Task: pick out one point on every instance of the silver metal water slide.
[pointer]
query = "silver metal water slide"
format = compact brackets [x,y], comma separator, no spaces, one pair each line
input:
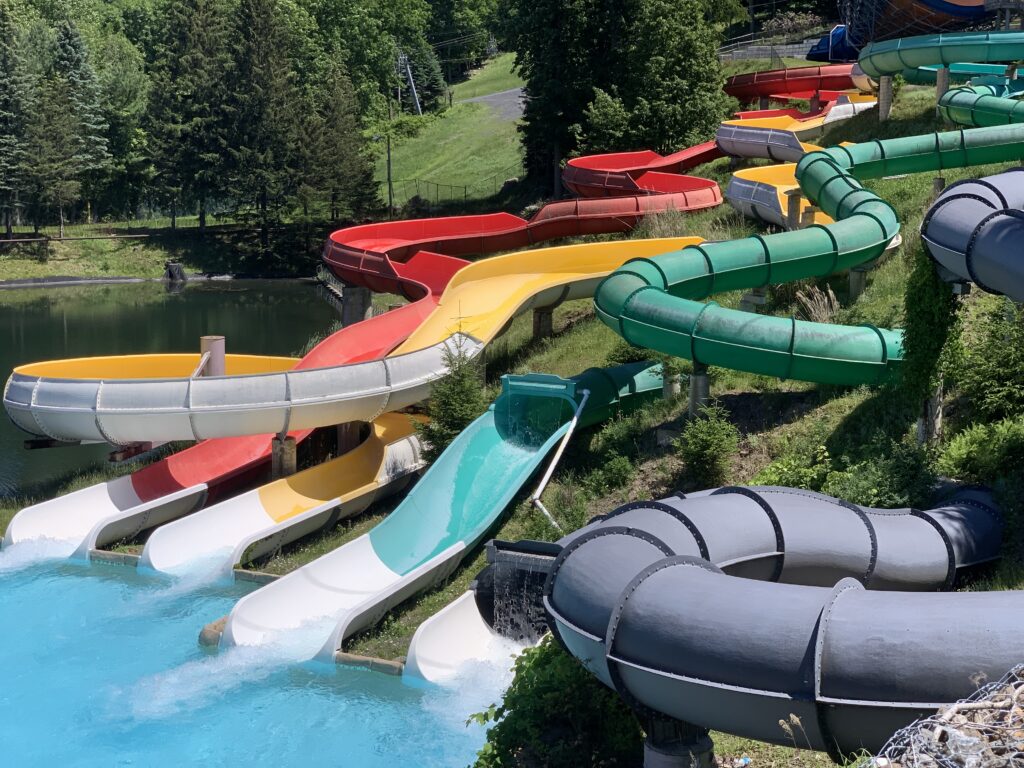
[736,608]
[975,231]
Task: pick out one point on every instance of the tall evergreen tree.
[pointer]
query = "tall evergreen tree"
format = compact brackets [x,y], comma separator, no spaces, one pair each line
[53,142]
[189,110]
[343,155]
[266,108]
[14,96]
[72,68]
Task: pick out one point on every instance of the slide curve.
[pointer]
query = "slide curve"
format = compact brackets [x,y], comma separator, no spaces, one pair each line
[735,608]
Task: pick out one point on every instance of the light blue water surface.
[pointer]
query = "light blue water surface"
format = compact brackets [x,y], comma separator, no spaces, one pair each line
[100,667]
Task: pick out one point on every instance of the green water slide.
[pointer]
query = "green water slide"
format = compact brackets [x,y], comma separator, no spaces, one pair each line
[654,302]
[450,510]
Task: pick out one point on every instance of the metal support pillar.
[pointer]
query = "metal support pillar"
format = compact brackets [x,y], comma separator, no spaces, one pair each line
[858,282]
[763,102]
[283,457]
[675,744]
[543,323]
[700,389]
[884,97]
[215,346]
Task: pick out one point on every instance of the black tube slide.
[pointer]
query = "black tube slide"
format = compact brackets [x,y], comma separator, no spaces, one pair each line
[736,608]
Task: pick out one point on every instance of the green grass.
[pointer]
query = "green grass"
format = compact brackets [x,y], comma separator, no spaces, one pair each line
[466,153]
[494,76]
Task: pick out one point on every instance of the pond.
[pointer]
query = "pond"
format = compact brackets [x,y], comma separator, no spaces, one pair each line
[266,317]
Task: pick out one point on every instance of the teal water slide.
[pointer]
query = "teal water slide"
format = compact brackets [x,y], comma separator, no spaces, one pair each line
[459,499]
[656,302]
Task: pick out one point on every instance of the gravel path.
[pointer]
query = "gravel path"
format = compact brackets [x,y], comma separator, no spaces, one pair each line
[508,104]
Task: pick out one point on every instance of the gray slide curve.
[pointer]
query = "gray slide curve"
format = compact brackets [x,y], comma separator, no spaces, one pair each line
[122,411]
[975,230]
[736,608]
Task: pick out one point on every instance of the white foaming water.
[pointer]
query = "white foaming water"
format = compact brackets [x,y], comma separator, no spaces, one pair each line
[33,551]
[476,685]
[195,683]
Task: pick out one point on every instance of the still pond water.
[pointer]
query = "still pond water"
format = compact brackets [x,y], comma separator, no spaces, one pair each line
[265,317]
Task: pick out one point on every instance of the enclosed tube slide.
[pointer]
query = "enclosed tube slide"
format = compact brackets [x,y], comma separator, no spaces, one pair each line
[736,608]
[446,514]
[975,230]
[652,302]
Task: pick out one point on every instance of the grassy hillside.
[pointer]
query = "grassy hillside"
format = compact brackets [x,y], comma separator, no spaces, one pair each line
[493,77]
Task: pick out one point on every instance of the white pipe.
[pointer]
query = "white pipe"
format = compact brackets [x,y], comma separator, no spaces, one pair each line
[535,499]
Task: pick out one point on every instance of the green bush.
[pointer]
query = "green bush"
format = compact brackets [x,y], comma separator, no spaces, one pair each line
[623,352]
[707,445]
[798,470]
[898,475]
[557,714]
[456,400]
[615,473]
[992,377]
[984,453]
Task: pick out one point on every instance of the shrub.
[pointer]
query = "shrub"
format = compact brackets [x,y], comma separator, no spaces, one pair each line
[456,400]
[807,471]
[615,473]
[898,475]
[984,453]
[623,352]
[707,444]
[992,378]
[555,713]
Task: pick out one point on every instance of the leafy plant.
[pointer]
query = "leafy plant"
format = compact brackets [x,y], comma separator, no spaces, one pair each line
[456,400]
[992,378]
[707,445]
[555,713]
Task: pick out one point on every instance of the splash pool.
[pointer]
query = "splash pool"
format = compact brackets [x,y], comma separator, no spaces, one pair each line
[101,668]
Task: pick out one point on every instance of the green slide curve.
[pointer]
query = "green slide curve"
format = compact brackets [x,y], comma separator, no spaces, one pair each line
[655,302]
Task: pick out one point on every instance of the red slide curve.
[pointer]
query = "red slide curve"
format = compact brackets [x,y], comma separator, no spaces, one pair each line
[415,258]
[797,82]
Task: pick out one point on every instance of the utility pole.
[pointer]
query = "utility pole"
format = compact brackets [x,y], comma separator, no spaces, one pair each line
[403,65]
[391,188]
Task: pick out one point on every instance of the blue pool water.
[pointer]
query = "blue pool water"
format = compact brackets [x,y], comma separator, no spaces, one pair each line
[100,667]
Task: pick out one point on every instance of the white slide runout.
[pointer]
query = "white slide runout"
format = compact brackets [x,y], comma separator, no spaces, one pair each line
[453,637]
[264,519]
[98,515]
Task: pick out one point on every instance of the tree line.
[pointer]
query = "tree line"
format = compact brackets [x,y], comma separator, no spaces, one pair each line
[264,108]
[606,75]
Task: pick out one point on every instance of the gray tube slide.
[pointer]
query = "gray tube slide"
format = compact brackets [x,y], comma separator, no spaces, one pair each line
[736,608]
[975,230]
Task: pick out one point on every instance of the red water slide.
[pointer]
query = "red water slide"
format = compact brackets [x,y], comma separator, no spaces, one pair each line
[797,82]
[417,258]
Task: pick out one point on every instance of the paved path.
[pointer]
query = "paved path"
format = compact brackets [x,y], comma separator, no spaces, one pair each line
[508,104]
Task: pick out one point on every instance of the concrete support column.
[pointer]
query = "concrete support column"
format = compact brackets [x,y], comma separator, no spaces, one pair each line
[543,323]
[215,345]
[675,744]
[938,184]
[858,282]
[754,300]
[941,84]
[283,459]
[807,216]
[356,304]
[763,102]
[793,198]
[700,389]
[350,436]
[1011,69]
[884,97]
[671,386]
